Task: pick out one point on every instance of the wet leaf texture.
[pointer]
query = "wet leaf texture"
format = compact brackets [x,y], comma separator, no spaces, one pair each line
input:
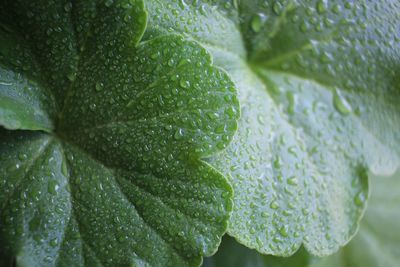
[115,177]
[319,91]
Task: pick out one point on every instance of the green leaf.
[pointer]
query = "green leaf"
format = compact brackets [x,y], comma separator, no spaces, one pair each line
[24,104]
[119,177]
[233,254]
[319,91]
[375,245]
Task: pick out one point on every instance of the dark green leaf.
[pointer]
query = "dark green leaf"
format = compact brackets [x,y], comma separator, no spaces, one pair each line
[119,180]
[233,254]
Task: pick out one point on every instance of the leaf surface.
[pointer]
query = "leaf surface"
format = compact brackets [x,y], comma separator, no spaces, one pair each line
[319,91]
[18,89]
[118,179]
[376,243]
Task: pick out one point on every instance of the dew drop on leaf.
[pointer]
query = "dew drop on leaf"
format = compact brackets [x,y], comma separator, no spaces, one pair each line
[179,134]
[322,6]
[99,86]
[184,84]
[71,77]
[22,156]
[284,231]
[340,103]
[292,181]
[53,242]
[52,187]
[256,23]
[359,199]
[64,168]
[108,3]
[274,205]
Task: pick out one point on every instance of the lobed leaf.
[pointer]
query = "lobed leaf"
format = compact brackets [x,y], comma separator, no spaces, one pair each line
[117,178]
[376,244]
[319,90]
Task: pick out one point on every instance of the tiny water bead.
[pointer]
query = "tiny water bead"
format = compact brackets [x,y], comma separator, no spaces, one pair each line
[360,199]
[284,231]
[99,86]
[71,76]
[184,84]
[274,205]
[341,104]
[179,134]
[322,6]
[256,23]
[293,181]
[277,7]
[53,187]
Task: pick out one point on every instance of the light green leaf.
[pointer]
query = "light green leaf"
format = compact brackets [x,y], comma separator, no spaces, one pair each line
[319,90]
[24,104]
[376,244]
[119,180]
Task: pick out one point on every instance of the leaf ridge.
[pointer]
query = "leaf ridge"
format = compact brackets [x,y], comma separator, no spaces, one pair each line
[154,229]
[145,190]
[30,166]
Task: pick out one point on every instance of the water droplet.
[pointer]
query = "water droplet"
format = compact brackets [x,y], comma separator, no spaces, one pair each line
[231,111]
[277,163]
[52,187]
[340,103]
[328,236]
[121,238]
[274,205]
[347,5]
[291,102]
[277,7]
[108,3]
[99,86]
[53,242]
[293,181]
[322,6]
[359,199]
[34,224]
[304,27]
[179,134]
[284,231]
[64,168]
[212,115]
[22,156]
[67,7]
[171,62]
[71,77]
[256,23]
[336,9]
[184,84]
[305,211]
[260,119]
